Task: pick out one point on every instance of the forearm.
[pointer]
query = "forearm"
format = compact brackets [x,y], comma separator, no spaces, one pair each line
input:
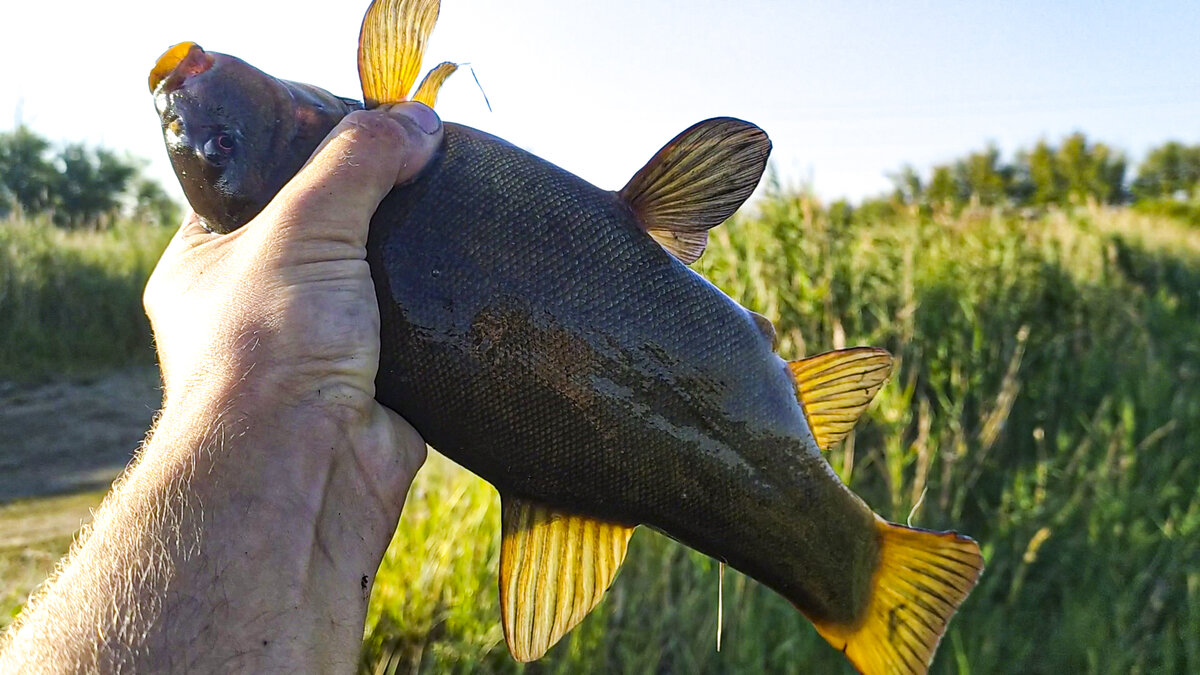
[247,535]
[187,568]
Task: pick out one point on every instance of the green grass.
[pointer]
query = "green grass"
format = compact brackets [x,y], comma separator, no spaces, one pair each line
[70,301]
[34,535]
[1046,401]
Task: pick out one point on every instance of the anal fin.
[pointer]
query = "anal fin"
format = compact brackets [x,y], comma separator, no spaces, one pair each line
[836,387]
[554,569]
[921,579]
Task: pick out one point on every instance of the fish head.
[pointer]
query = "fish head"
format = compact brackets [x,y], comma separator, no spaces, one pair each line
[234,134]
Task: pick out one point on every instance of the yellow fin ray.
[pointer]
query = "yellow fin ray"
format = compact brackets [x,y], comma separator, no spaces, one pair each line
[921,580]
[554,569]
[432,84]
[836,387]
[391,44]
[170,60]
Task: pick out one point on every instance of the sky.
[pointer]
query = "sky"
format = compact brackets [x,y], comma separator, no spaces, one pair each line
[848,91]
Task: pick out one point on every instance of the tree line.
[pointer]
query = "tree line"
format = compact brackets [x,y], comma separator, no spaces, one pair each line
[76,186]
[82,187]
[1075,171]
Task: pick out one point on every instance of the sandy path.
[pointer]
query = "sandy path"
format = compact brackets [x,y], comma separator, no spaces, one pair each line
[61,444]
[74,435]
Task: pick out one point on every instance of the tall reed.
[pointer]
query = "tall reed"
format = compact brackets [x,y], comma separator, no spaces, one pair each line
[1046,400]
[70,301]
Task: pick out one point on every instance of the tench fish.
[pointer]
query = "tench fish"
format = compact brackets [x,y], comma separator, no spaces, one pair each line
[549,336]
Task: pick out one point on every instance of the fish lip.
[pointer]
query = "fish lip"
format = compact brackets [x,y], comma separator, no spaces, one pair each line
[176,65]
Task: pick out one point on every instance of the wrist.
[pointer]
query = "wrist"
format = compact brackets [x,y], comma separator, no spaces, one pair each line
[262,574]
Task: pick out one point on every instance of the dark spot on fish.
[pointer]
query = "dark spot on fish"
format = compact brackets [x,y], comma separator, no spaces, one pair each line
[894,621]
[363,583]
[489,328]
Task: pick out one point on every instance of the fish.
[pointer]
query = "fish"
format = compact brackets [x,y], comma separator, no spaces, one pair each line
[549,336]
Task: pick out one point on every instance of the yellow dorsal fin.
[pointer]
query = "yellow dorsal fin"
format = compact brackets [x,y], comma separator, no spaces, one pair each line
[428,91]
[554,568]
[921,580]
[390,46]
[697,181]
[836,387]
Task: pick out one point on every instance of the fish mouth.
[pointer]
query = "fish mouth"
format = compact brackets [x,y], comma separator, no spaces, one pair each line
[177,64]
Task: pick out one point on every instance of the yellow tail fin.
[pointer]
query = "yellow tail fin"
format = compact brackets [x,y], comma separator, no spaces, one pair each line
[921,580]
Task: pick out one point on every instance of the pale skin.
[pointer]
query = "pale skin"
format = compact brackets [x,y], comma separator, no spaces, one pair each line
[246,536]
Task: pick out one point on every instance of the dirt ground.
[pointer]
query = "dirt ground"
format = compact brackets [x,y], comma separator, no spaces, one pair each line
[61,445]
[72,435]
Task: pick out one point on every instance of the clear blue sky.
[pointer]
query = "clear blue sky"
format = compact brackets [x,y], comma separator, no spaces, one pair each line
[848,91]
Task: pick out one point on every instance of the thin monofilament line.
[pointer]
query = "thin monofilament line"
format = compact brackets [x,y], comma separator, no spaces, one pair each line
[916,506]
[478,84]
[720,600]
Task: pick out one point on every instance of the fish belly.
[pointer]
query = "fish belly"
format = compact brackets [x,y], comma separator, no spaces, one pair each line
[533,333]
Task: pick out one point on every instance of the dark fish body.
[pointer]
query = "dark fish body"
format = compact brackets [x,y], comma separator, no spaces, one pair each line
[533,332]
[547,335]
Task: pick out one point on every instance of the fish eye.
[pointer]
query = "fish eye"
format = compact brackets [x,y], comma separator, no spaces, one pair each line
[218,148]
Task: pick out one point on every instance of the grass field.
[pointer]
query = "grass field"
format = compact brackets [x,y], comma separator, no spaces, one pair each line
[70,302]
[1046,401]
[34,535]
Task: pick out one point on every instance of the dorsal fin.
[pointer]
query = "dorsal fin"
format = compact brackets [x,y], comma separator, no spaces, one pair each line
[697,181]
[836,387]
[428,91]
[391,44]
[554,568]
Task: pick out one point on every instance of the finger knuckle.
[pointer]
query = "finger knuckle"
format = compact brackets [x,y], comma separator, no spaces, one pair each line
[372,126]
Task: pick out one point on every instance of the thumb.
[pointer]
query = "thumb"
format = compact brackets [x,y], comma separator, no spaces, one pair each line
[335,194]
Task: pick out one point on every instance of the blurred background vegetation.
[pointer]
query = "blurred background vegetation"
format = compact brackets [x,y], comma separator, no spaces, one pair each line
[76,186]
[1044,311]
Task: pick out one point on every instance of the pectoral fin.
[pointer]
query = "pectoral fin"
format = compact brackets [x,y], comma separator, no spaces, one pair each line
[554,568]
[696,182]
[390,47]
[428,91]
[836,387]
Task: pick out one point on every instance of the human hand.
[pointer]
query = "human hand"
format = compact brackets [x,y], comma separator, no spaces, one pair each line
[247,534]
[276,326]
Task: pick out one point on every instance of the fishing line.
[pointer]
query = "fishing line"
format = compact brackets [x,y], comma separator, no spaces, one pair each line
[720,600]
[477,84]
[917,505]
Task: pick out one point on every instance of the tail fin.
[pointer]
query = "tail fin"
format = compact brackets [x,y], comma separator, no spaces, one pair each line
[921,580]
